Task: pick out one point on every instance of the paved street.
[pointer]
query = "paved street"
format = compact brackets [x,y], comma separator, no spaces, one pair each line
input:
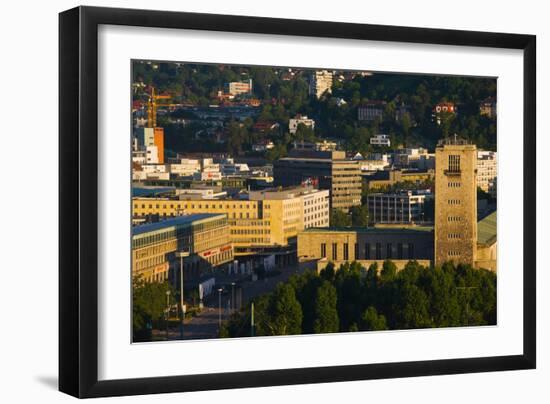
[205,325]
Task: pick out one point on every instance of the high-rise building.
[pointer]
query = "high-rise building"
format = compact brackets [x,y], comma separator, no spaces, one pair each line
[455,202]
[325,170]
[147,137]
[320,82]
[158,139]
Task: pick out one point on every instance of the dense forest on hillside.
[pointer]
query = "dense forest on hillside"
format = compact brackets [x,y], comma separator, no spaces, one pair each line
[283,93]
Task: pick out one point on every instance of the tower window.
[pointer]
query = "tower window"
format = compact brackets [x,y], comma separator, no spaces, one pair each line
[454,163]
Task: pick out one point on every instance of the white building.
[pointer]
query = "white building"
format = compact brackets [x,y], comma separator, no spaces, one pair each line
[374,165]
[487,171]
[410,156]
[297,120]
[263,146]
[316,208]
[186,167]
[229,167]
[313,204]
[152,154]
[207,175]
[380,140]
[320,82]
[200,193]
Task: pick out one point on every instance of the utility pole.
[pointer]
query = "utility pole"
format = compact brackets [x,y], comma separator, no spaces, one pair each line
[219,309]
[233,306]
[182,255]
[252,319]
[167,311]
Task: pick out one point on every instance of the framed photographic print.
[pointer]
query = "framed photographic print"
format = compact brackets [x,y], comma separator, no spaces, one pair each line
[250,202]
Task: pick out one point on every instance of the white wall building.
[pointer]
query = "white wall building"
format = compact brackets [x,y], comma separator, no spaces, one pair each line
[297,120]
[185,167]
[152,154]
[487,171]
[380,140]
[314,203]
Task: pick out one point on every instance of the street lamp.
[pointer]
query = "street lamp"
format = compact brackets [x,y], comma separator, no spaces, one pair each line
[182,255]
[167,311]
[233,306]
[220,308]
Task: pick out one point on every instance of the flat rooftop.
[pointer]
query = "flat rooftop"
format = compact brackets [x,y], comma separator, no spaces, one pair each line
[185,220]
[141,191]
[381,230]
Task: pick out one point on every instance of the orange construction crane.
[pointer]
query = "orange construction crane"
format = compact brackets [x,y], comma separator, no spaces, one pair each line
[152,105]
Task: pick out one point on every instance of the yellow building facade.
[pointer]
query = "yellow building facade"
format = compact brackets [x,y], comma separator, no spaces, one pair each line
[455,202]
[267,221]
[205,237]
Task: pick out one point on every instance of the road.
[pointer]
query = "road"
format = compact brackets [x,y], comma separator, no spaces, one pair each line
[205,325]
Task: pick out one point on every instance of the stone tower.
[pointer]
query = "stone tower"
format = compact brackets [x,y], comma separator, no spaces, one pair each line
[455,202]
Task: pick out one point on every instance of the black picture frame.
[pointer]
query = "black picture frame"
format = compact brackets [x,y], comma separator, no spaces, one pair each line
[78,201]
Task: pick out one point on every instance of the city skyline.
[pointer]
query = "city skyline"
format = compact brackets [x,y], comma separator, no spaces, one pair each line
[275,201]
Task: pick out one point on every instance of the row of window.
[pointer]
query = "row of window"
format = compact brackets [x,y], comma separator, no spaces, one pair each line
[454,184]
[368,251]
[454,202]
[251,231]
[454,219]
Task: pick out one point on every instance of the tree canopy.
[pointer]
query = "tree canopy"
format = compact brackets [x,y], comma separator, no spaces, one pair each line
[352,298]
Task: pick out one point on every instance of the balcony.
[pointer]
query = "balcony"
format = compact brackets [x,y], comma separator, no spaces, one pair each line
[452,173]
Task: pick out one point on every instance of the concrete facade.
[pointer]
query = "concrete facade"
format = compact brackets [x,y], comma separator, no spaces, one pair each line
[365,244]
[326,170]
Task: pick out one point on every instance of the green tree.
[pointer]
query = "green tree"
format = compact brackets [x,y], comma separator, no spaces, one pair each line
[339,218]
[148,305]
[326,314]
[286,311]
[360,216]
[372,321]
[389,271]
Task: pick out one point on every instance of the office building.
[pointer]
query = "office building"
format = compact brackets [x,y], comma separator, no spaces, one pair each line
[266,219]
[405,207]
[386,178]
[317,247]
[205,237]
[326,170]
